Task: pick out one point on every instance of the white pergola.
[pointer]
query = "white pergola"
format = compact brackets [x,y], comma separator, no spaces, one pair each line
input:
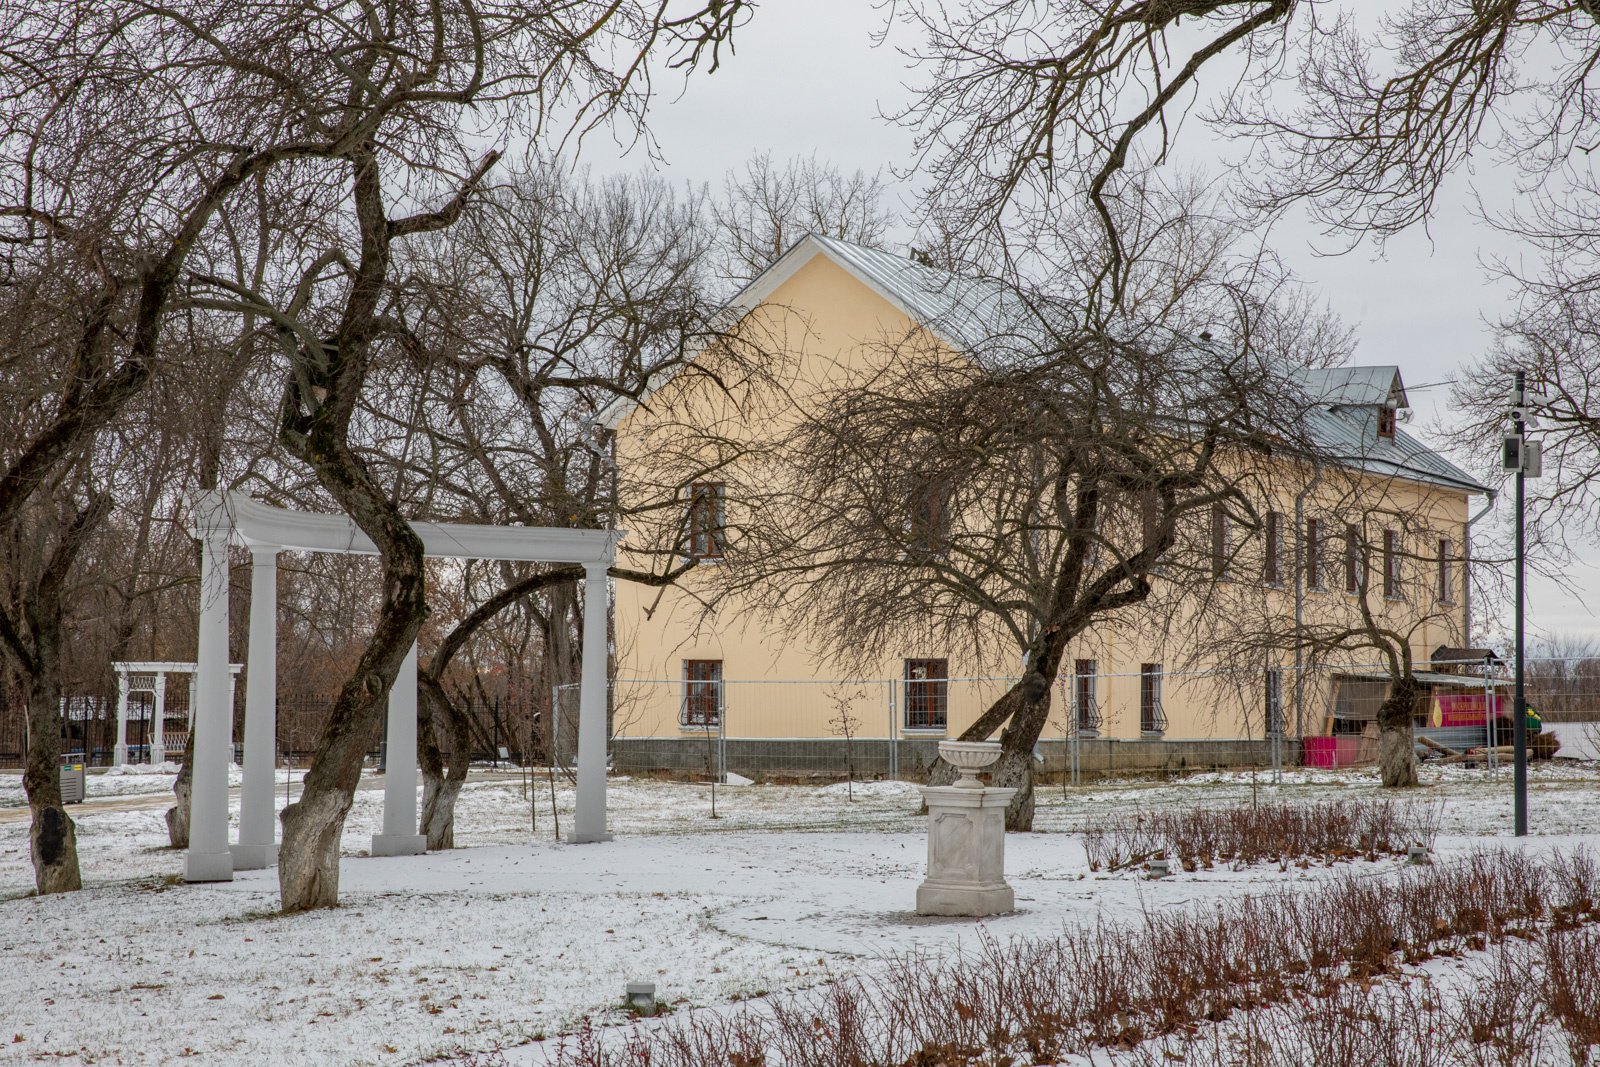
[267,530]
[128,675]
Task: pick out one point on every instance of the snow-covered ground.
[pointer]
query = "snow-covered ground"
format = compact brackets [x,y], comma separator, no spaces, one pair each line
[514,935]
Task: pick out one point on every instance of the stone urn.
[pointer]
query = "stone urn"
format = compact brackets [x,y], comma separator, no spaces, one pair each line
[968,758]
[966,838]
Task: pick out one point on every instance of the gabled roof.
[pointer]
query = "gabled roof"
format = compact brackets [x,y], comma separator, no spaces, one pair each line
[1378,386]
[969,313]
[961,311]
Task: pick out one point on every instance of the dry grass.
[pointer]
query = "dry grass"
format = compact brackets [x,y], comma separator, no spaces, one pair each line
[1262,979]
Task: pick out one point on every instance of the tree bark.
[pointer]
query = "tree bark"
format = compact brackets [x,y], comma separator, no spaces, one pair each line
[317,412]
[182,788]
[444,749]
[52,838]
[1397,758]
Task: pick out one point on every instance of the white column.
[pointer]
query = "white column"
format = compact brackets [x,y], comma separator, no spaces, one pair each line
[208,859]
[257,847]
[400,837]
[158,747]
[590,818]
[119,753]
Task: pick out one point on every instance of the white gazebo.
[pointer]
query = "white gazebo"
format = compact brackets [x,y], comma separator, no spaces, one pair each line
[151,677]
[268,530]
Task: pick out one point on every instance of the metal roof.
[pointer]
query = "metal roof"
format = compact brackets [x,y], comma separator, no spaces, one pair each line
[967,311]
[1378,385]
[1349,435]
[993,321]
[1471,681]
[971,313]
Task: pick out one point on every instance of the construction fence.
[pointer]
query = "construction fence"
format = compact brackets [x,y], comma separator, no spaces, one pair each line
[701,725]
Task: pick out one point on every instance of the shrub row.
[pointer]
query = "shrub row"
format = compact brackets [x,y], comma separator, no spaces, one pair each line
[1263,833]
[1527,1004]
[1112,986]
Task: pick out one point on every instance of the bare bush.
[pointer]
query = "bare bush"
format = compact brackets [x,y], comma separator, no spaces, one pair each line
[1284,979]
[1570,960]
[1265,833]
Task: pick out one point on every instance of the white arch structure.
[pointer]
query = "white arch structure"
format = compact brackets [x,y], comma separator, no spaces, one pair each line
[128,675]
[268,530]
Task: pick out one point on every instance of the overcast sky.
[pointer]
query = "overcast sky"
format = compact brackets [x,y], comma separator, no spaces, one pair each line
[807,79]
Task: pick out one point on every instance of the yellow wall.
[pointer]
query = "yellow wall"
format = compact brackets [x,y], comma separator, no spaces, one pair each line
[777,683]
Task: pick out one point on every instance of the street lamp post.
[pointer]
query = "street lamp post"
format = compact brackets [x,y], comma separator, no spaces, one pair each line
[1519,722]
[1522,458]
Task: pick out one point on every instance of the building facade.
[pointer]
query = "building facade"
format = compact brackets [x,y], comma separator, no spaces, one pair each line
[704,678]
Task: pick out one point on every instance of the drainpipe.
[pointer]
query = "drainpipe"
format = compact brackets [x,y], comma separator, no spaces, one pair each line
[1300,597]
[1466,571]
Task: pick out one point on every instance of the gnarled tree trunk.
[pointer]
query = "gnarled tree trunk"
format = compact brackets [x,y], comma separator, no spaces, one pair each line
[182,789]
[33,639]
[52,838]
[444,750]
[308,860]
[1397,758]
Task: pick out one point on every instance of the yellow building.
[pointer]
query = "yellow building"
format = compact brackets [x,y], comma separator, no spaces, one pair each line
[727,686]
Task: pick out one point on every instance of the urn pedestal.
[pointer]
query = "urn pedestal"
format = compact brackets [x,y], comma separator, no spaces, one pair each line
[966,839]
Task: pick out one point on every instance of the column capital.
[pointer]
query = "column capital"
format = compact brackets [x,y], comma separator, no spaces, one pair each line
[264,555]
[209,518]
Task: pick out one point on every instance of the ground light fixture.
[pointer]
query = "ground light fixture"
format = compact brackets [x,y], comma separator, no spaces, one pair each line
[641,997]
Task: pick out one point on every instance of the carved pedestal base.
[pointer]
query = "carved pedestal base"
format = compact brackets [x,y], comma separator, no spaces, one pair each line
[966,852]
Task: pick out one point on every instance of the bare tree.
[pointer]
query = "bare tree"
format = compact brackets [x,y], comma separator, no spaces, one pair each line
[767,208]
[1005,497]
[1551,339]
[125,127]
[40,559]
[558,297]
[387,97]
[1027,108]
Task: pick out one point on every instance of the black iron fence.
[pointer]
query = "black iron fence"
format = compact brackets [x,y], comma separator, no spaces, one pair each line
[500,731]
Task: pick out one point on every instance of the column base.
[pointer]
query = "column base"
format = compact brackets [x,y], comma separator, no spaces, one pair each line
[589,837]
[253,857]
[964,900]
[399,844]
[158,755]
[208,866]
[119,755]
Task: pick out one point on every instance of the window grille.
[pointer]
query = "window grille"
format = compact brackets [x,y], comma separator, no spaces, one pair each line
[927,694]
[702,693]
